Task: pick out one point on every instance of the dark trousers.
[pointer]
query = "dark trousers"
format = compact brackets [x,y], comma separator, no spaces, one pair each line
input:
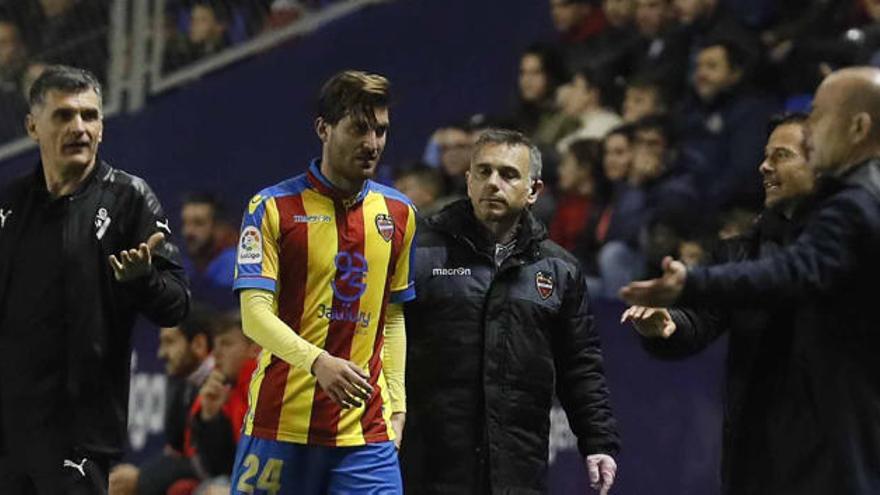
[80,476]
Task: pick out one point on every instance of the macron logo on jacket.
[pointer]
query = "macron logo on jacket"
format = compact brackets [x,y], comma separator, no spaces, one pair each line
[451,272]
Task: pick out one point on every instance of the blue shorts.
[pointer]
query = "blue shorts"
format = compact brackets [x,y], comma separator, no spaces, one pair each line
[271,467]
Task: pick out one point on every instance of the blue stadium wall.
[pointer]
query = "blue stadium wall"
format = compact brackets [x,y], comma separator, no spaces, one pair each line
[250,125]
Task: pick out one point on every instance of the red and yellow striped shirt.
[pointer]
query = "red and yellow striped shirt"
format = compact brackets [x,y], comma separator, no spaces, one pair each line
[334,264]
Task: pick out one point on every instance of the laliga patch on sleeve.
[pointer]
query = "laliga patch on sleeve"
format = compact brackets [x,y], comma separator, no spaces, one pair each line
[250,246]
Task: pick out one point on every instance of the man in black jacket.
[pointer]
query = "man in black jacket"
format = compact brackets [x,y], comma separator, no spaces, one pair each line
[829,274]
[82,251]
[502,315]
[761,392]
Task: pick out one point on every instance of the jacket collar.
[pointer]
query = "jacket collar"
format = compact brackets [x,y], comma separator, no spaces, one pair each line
[866,175]
[323,185]
[100,172]
[458,220]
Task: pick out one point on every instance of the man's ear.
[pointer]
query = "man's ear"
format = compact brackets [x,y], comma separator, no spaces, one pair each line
[322,129]
[30,124]
[535,191]
[861,127]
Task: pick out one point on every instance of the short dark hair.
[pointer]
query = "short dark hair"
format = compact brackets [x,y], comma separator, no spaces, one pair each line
[737,56]
[625,130]
[787,118]
[205,198]
[354,93]
[65,79]
[510,137]
[227,321]
[552,63]
[597,80]
[651,80]
[201,320]
[659,123]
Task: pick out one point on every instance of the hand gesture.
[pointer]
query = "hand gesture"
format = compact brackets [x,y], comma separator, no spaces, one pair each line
[652,323]
[213,393]
[660,292]
[135,263]
[345,382]
[601,469]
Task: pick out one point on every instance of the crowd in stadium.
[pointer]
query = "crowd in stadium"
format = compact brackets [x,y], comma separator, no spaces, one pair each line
[647,111]
[34,33]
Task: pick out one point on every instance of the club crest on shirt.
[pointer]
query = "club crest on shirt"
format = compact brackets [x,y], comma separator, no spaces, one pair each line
[102,222]
[545,285]
[250,246]
[385,226]
[4,214]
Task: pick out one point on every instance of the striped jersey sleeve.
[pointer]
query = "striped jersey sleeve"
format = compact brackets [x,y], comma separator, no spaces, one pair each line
[256,260]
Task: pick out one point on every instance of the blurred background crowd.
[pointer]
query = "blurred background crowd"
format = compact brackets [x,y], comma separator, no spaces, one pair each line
[650,110]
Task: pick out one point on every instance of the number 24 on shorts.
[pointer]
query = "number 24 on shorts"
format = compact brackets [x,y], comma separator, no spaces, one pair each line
[269,480]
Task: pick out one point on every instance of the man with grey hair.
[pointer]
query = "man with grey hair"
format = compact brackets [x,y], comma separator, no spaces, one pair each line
[82,252]
[502,314]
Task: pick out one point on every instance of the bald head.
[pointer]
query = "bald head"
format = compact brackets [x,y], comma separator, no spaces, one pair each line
[844,125]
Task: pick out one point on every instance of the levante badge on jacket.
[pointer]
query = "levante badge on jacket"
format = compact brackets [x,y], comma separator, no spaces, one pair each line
[385,225]
[544,284]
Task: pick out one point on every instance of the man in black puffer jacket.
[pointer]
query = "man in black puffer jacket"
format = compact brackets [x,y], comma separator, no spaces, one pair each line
[502,321]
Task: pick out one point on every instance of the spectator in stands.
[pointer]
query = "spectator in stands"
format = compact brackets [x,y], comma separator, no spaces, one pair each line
[644,96]
[74,33]
[282,13]
[13,60]
[13,57]
[616,163]
[607,51]
[583,98]
[424,187]
[454,144]
[541,71]
[800,20]
[208,28]
[617,154]
[578,23]
[218,412]
[583,189]
[846,44]
[186,351]
[209,242]
[708,19]
[656,205]
[31,73]
[724,122]
[619,13]
[209,23]
[659,49]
